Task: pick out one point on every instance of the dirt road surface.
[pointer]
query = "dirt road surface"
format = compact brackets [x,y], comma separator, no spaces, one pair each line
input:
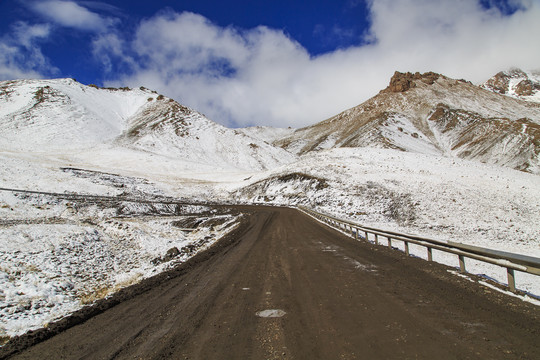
[327,295]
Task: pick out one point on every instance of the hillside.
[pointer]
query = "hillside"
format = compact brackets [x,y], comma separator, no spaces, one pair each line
[55,115]
[432,114]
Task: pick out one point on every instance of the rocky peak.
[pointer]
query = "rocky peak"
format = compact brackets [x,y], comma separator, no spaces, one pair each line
[401,82]
[514,82]
[498,83]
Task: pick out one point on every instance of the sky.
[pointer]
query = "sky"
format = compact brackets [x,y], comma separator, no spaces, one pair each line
[276,62]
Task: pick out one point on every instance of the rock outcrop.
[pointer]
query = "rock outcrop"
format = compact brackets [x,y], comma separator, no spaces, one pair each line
[401,82]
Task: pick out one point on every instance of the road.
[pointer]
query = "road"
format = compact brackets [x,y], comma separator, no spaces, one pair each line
[333,298]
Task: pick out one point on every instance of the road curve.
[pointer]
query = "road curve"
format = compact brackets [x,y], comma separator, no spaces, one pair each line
[334,298]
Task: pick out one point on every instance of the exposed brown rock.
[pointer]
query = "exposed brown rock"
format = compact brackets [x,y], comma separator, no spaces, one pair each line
[430,77]
[525,88]
[499,83]
[401,82]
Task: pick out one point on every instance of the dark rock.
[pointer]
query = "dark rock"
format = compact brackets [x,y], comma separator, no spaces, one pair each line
[171,254]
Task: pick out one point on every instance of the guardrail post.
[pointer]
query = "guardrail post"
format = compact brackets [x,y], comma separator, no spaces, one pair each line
[462,263]
[366,235]
[406,248]
[511,279]
[376,239]
[356,233]
[389,241]
[429,254]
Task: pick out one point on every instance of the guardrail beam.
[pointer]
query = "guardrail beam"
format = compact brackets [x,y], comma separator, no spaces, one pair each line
[510,261]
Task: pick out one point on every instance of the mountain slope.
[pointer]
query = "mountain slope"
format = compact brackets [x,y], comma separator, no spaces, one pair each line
[56,115]
[63,113]
[432,114]
[169,129]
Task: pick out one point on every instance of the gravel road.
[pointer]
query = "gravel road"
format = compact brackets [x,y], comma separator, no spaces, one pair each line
[285,286]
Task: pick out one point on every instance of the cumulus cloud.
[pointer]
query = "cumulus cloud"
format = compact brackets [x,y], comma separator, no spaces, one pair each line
[257,76]
[458,37]
[72,15]
[20,52]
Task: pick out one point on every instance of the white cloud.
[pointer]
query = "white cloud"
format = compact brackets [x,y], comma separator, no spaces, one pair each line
[111,51]
[70,14]
[458,37]
[262,76]
[20,53]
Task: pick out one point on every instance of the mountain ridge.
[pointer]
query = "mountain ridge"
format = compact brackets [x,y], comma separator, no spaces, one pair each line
[431,113]
[425,113]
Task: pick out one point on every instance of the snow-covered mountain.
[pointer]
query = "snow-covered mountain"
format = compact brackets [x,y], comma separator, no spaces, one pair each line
[406,160]
[432,114]
[516,83]
[46,114]
[62,114]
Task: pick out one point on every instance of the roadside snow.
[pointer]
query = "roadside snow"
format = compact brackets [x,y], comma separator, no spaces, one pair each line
[57,255]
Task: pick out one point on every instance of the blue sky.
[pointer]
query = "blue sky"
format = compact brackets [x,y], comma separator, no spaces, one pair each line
[280,63]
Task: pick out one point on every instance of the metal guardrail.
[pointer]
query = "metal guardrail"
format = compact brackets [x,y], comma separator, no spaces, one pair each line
[510,261]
